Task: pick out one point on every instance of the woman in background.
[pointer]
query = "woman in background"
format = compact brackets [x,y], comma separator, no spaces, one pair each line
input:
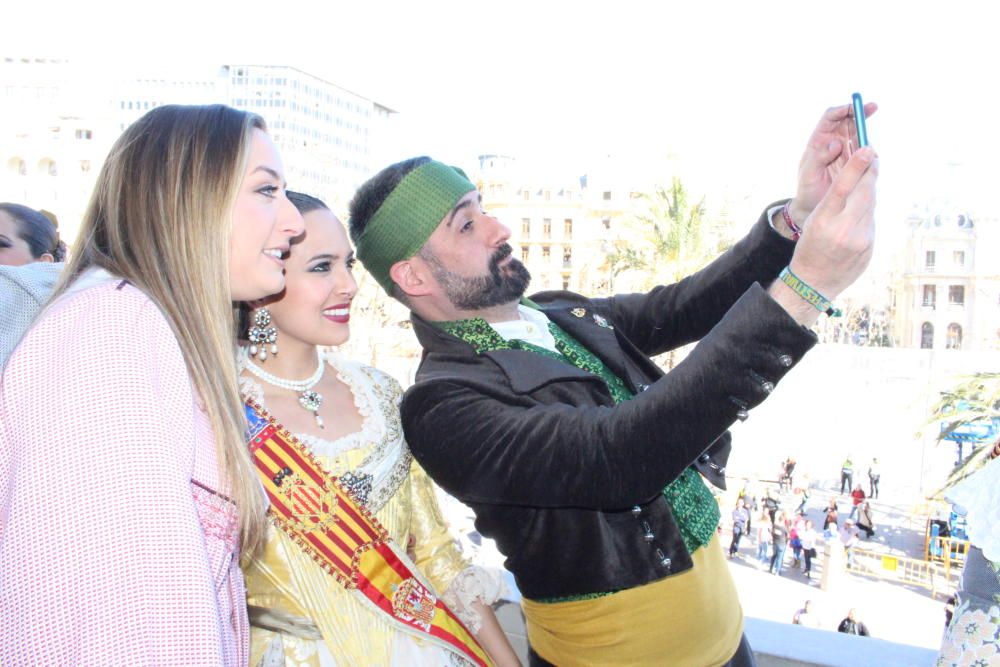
[31,257]
[27,235]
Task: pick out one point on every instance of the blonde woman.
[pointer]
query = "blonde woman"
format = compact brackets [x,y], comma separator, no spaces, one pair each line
[126,494]
[340,419]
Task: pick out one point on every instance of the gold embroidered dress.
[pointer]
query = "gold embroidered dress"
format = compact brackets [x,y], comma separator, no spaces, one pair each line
[300,614]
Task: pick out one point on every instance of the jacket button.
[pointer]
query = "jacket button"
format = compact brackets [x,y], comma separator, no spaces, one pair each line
[768,387]
[636,511]
[665,563]
[742,414]
[648,536]
[703,458]
[785,360]
[643,387]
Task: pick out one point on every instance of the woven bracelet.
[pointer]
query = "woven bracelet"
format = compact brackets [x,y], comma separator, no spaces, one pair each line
[804,290]
[796,230]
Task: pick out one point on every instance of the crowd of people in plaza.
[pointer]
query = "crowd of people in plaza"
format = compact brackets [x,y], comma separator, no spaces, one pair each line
[190,473]
[779,530]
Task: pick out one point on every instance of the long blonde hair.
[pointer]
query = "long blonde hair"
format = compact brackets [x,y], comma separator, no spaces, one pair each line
[161,218]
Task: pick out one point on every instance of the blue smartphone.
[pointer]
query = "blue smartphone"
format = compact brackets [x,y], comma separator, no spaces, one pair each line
[859,120]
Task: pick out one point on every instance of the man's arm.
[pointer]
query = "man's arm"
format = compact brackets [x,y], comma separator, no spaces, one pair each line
[669,316]
[486,444]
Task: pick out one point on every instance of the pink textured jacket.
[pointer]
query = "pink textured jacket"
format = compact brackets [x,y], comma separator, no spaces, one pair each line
[114,548]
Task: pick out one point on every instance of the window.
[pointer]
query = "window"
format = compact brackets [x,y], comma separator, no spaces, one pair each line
[525,227]
[929,258]
[526,194]
[565,283]
[607,195]
[953,341]
[567,258]
[607,224]
[545,253]
[84,166]
[546,228]
[927,336]
[956,295]
[548,195]
[84,134]
[930,295]
[958,257]
[524,254]
[568,228]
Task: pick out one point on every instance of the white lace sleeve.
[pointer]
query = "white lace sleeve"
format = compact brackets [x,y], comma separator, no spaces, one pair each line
[979,495]
[252,390]
[472,584]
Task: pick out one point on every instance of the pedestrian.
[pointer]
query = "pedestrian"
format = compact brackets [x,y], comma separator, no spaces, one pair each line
[809,538]
[794,542]
[764,539]
[857,497]
[785,479]
[779,539]
[806,617]
[804,498]
[865,521]
[740,518]
[852,626]
[749,497]
[874,472]
[846,475]
[849,538]
[771,504]
[831,518]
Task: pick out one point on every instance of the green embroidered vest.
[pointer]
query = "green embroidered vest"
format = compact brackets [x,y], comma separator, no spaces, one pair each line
[694,508]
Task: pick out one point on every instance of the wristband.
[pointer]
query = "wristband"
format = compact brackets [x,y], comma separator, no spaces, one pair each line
[820,302]
[796,230]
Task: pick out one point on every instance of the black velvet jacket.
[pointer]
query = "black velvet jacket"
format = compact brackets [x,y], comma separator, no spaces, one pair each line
[561,477]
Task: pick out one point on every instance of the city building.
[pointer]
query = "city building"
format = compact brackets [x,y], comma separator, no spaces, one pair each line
[58,120]
[947,290]
[557,225]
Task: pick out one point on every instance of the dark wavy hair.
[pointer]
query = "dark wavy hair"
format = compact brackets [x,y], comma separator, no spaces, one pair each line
[36,229]
[306,203]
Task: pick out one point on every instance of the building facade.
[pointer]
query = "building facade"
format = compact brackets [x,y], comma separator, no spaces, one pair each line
[557,226]
[947,291]
[59,119]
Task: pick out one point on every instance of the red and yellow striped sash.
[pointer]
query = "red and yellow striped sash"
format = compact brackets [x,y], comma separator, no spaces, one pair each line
[347,541]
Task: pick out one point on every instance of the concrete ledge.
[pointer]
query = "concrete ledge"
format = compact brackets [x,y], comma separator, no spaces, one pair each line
[784,645]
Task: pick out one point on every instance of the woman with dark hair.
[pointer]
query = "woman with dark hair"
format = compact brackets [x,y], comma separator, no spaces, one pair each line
[27,235]
[31,257]
[341,424]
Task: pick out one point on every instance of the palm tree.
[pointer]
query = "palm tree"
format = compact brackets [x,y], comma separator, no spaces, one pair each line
[667,238]
[975,401]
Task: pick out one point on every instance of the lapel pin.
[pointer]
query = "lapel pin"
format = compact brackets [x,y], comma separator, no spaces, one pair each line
[579,312]
[601,322]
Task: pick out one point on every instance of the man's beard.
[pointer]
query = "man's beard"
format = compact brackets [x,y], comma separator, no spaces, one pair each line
[498,287]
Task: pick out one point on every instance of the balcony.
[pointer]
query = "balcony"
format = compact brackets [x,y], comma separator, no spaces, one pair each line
[779,645]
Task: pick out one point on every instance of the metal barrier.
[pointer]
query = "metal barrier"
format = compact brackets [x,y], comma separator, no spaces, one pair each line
[937,577]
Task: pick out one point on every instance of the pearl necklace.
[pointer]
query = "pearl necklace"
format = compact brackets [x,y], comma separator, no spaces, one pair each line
[308,399]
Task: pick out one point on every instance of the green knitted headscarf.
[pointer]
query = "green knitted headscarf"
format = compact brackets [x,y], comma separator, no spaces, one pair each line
[408,217]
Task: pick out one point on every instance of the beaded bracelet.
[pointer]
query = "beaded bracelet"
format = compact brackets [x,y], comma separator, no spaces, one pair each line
[796,230]
[804,290]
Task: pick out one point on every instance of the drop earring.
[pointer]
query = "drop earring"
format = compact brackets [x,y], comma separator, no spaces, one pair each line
[262,334]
